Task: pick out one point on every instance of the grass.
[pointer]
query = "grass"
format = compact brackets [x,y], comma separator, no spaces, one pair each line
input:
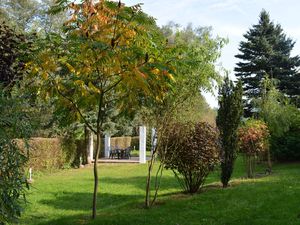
[136,153]
[65,197]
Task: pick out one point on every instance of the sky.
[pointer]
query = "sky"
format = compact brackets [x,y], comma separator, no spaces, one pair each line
[228,18]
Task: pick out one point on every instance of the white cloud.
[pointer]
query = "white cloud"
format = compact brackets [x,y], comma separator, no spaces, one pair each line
[227,5]
[230,30]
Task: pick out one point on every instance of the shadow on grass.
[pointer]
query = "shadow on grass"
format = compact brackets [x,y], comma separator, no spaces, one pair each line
[248,201]
[113,218]
[83,201]
[118,194]
[115,197]
[249,198]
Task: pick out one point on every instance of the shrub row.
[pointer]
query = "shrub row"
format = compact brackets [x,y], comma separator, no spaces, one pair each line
[45,153]
[56,153]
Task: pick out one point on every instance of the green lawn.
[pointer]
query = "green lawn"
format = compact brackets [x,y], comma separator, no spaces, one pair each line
[65,197]
[135,153]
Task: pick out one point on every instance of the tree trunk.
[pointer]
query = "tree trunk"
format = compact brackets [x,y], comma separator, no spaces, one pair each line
[250,174]
[98,141]
[157,182]
[147,199]
[86,149]
[96,175]
[248,163]
[269,162]
[225,185]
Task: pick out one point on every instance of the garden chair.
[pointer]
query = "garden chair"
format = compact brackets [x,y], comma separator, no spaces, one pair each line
[127,154]
[114,153]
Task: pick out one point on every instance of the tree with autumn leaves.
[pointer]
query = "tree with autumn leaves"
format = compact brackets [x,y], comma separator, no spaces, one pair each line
[253,138]
[110,55]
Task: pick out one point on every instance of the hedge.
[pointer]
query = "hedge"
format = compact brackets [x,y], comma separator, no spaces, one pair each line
[45,153]
[57,153]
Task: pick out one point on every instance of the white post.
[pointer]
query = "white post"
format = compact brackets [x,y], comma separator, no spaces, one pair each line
[91,147]
[153,139]
[142,144]
[107,146]
[30,174]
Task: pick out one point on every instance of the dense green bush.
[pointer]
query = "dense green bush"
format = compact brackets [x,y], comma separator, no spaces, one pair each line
[12,181]
[287,147]
[191,152]
[283,120]
[14,122]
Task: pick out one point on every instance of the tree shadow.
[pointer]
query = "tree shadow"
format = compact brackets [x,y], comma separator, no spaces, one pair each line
[141,217]
[113,198]
[127,208]
[83,201]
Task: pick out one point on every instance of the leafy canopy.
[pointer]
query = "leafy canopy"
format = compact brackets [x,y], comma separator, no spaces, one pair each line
[109,52]
[192,53]
[15,49]
[253,137]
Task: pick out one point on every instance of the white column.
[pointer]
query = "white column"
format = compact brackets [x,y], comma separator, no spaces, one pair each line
[142,144]
[107,146]
[30,174]
[91,147]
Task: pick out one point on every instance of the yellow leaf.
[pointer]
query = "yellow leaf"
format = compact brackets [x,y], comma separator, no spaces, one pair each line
[35,70]
[79,82]
[44,75]
[70,67]
[155,71]
[93,88]
[171,76]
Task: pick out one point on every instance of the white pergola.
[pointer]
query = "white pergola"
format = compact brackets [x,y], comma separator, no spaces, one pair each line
[142,143]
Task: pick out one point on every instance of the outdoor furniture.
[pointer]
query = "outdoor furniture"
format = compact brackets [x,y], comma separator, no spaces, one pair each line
[127,154]
[114,153]
[120,153]
[124,153]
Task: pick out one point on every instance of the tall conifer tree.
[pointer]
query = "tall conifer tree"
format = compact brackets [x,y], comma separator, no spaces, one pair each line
[267,51]
[228,120]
